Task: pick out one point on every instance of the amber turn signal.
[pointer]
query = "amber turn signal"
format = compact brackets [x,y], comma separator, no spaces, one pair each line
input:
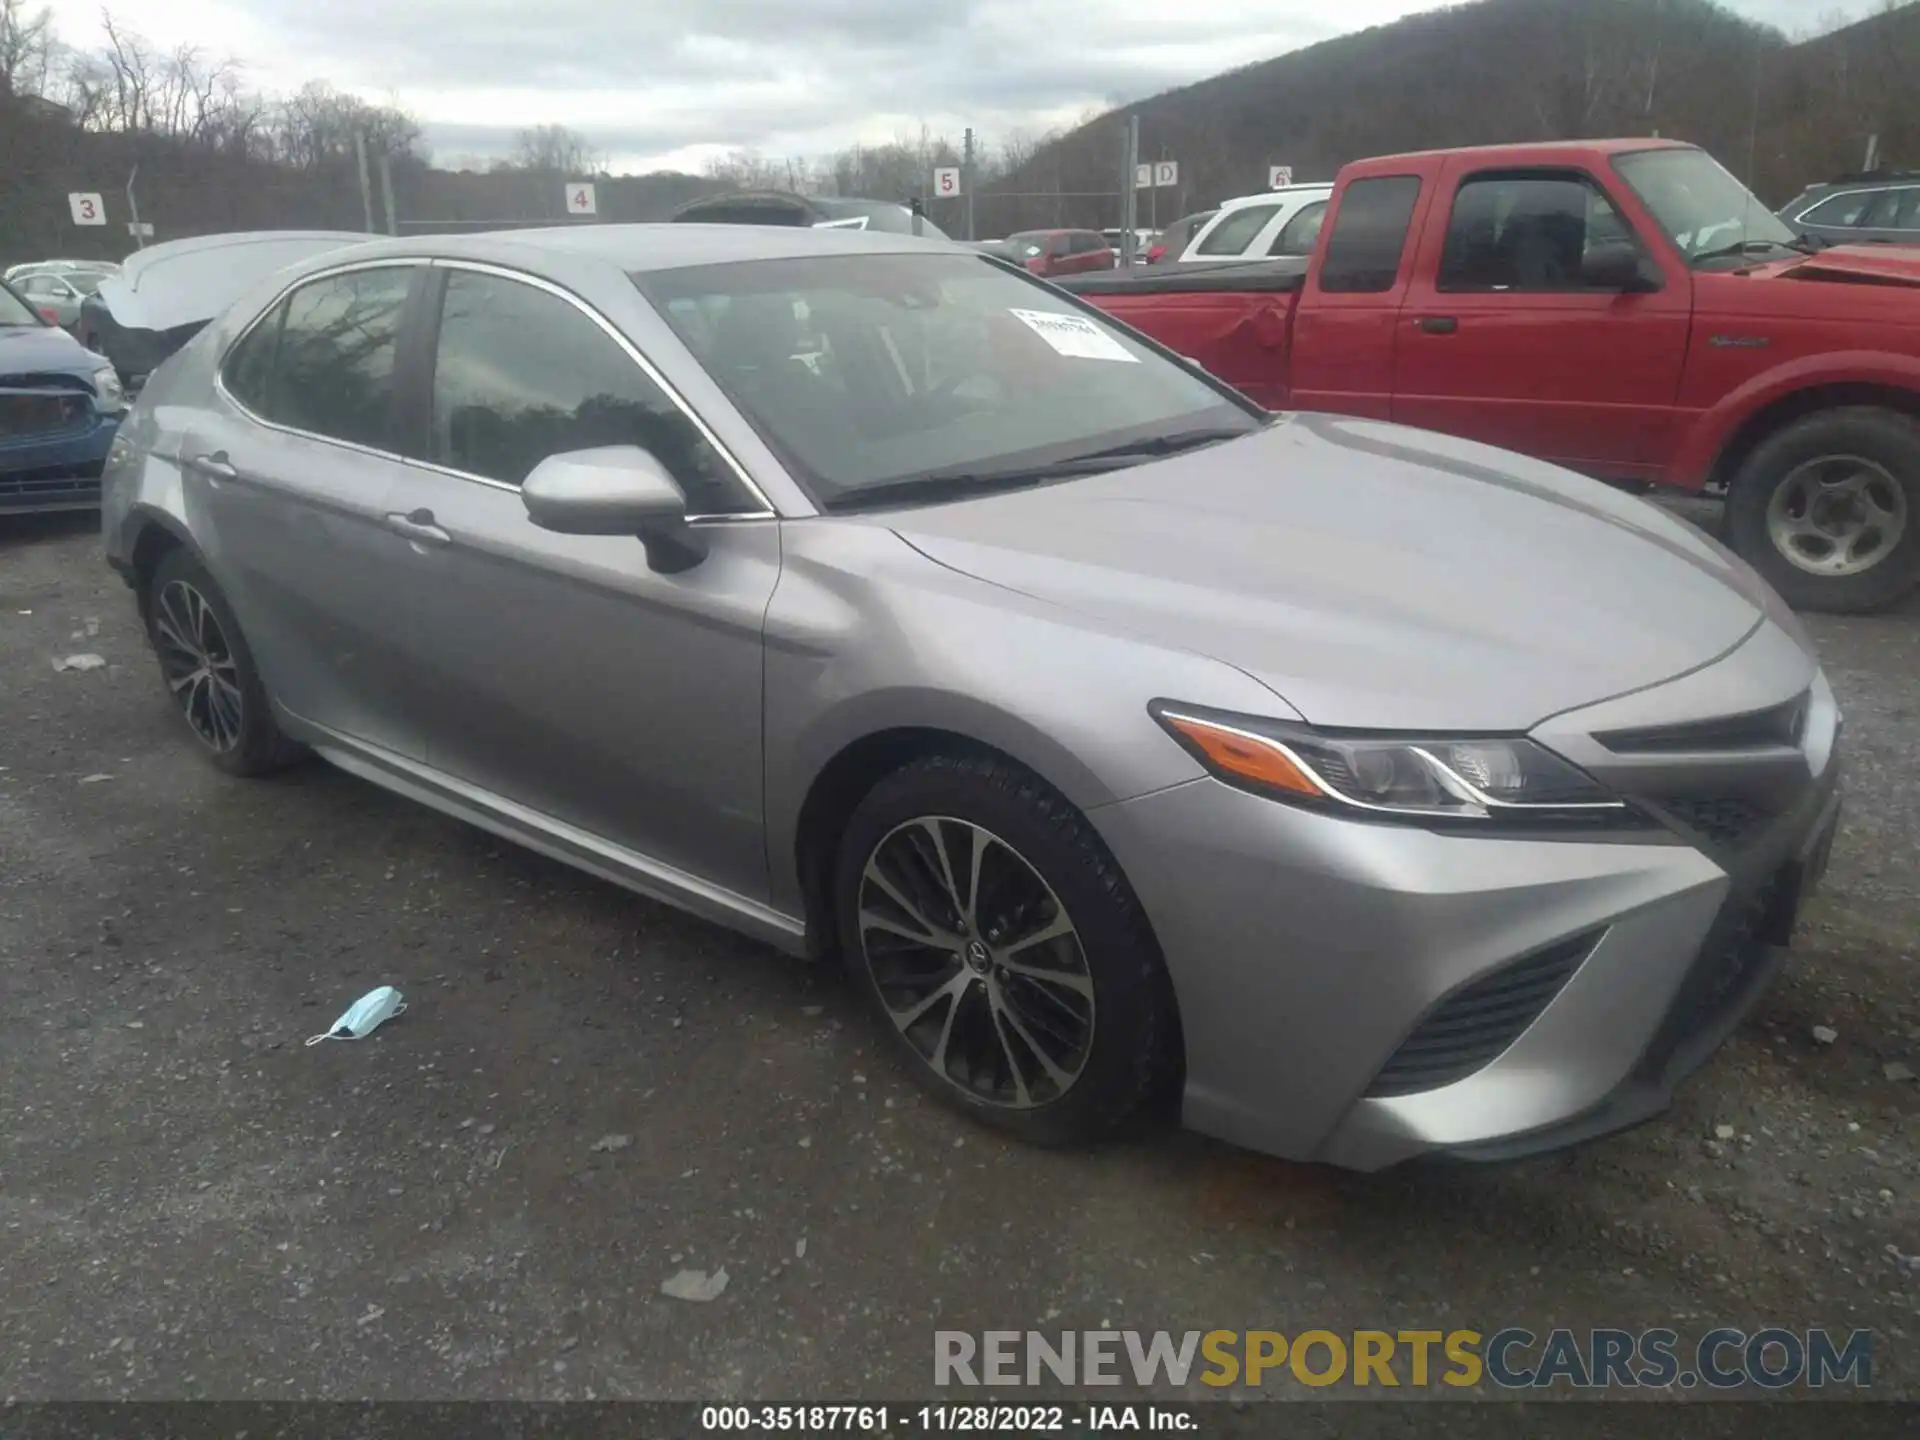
[1251,757]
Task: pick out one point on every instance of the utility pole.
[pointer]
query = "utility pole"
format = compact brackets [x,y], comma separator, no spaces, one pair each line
[133,209]
[1873,154]
[1129,196]
[966,178]
[366,185]
[386,192]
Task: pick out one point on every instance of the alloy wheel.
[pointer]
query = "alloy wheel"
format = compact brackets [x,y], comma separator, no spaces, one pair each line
[1837,515]
[198,665]
[977,962]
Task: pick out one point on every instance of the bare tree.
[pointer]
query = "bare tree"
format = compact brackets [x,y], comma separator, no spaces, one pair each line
[26,49]
[554,149]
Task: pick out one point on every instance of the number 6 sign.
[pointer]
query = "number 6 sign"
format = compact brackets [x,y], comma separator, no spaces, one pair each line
[946,180]
[87,209]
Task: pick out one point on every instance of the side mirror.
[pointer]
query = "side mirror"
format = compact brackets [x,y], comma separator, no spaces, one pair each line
[615,490]
[1614,265]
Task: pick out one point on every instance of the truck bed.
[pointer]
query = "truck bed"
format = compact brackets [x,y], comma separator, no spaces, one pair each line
[1231,318]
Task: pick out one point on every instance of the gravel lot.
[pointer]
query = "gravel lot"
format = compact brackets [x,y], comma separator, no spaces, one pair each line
[194,1205]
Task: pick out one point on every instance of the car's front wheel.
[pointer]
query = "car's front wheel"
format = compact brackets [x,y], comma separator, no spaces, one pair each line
[1003,953]
[209,671]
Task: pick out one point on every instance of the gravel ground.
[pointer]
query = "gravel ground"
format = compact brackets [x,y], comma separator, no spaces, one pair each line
[589,1092]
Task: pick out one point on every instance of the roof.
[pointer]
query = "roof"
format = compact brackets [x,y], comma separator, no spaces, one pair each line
[1530,153]
[1268,197]
[665,246]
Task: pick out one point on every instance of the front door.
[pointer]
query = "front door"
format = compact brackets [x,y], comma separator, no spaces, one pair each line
[289,472]
[560,672]
[1502,340]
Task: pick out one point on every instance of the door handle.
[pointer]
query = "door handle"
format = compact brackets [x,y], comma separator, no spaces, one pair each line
[1438,324]
[216,465]
[419,527]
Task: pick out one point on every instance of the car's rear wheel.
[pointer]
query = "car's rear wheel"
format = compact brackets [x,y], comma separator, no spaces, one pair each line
[1003,953]
[1828,509]
[209,671]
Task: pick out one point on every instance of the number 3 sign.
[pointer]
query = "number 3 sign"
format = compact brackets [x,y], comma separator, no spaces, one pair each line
[87,209]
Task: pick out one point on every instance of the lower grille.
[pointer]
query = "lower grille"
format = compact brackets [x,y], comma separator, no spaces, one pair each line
[1470,1028]
[1734,951]
[1724,821]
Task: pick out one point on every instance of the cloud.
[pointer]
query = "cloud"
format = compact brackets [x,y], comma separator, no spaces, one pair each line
[668,77]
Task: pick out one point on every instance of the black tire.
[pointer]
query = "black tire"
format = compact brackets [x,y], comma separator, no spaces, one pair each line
[256,745]
[1885,438]
[1132,1058]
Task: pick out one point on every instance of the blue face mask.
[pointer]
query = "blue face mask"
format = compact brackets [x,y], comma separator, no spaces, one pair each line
[364,1016]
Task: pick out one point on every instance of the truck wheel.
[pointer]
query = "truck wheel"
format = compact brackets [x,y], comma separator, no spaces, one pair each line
[1828,509]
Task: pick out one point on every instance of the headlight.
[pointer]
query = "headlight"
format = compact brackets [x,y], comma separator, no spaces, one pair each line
[109,398]
[1475,781]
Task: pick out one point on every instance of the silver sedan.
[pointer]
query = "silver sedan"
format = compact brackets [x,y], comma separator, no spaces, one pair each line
[58,294]
[1366,791]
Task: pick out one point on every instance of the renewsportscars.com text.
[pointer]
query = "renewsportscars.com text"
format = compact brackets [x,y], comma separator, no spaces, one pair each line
[1510,1359]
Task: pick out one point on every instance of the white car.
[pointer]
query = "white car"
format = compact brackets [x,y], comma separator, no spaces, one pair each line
[1275,222]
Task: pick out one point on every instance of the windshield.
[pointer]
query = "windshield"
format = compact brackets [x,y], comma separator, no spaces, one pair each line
[1703,209]
[15,311]
[871,371]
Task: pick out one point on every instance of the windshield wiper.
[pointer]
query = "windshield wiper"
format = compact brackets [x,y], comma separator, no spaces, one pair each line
[1747,247]
[944,485]
[1177,443]
[965,484]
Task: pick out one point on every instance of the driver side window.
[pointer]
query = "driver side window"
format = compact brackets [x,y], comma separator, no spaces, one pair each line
[1526,233]
[520,374]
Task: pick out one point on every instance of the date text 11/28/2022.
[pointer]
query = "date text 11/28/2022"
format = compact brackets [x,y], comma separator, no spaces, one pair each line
[941,1419]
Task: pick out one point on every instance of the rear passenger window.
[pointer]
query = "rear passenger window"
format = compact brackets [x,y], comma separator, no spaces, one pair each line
[1369,236]
[521,374]
[248,374]
[1237,230]
[323,362]
[1296,237]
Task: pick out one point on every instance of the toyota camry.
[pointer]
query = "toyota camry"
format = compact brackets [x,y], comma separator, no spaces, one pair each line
[1365,792]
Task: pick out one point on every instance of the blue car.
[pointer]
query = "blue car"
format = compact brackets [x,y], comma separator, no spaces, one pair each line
[59,407]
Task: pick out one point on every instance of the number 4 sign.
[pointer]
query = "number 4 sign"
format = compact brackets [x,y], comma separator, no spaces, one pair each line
[87,209]
[946,180]
[581,201]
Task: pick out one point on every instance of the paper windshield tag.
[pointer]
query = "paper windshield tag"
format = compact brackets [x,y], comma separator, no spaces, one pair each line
[1073,335]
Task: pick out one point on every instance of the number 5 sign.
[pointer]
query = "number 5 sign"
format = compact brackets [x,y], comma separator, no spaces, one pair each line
[946,180]
[581,200]
[87,209]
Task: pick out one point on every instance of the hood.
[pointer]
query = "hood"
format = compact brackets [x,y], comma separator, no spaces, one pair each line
[1374,577]
[44,350]
[189,282]
[1873,265]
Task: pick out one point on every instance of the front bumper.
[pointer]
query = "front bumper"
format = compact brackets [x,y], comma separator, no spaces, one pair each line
[1306,951]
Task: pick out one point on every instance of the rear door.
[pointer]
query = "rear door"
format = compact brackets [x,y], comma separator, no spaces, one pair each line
[1502,340]
[560,672]
[1343,330]
[290,472]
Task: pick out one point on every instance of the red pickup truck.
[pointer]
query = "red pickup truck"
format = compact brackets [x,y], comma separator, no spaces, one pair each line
[1625,308]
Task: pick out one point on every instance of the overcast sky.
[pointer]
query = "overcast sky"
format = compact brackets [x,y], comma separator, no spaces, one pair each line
[662,83]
